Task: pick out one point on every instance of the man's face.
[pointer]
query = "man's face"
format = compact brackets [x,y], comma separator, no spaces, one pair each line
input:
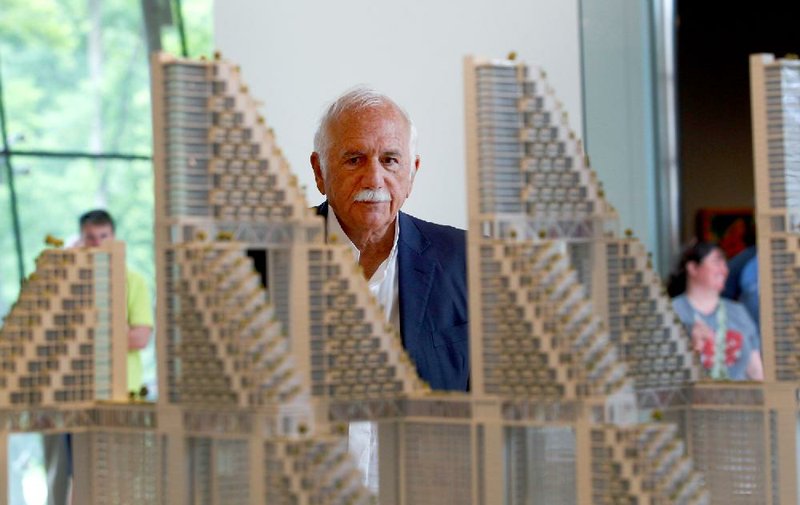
[92,235]
[367,150]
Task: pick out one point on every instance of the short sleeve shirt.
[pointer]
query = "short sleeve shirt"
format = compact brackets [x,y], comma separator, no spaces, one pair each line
[140,313]
[738,321]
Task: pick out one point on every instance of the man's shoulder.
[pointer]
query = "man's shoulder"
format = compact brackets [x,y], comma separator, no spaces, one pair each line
[438,234]
[321,209]
[135,282]
[136,285]
[134,276]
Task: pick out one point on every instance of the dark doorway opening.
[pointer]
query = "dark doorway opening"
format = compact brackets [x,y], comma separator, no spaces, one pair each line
[259,257]
[714,41]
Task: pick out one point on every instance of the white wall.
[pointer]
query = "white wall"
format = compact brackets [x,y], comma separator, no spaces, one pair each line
[620,111]
[298,55]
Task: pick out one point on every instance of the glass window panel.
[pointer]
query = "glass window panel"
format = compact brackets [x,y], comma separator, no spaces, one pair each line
[52,193]
[27,475]
[198,22]
[75,76]
[9,273]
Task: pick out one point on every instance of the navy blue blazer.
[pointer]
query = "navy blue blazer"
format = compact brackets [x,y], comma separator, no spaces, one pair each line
[432,285]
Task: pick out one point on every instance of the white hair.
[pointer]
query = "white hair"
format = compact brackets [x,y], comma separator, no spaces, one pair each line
[359,98]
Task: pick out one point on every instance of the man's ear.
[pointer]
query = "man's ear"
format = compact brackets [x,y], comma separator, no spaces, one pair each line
[414,170]
[316,164]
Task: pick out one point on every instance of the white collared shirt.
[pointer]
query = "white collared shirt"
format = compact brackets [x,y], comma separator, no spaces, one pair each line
[363,436]
[383,284]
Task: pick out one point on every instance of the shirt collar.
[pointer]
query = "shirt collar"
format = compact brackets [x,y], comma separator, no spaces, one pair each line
[335,228]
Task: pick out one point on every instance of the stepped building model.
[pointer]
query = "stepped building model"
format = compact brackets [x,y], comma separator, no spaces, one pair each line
[583,389]
[530,183]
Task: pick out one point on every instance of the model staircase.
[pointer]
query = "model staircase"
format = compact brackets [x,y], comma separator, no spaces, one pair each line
[228,165]
[269,191]
[355,354]
[644,464]
[785,251]
[47,342]
[318,472]
[561,184]
[232,349]
[641,320]
[541,320]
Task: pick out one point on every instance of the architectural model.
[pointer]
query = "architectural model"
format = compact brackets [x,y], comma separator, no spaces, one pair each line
[583,389]
[775,98]
[547,273]
[63,347]
[534,186]
[58,343]
[530,181]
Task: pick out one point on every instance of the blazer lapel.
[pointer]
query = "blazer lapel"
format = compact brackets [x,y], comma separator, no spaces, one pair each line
[416,274]
[322,210]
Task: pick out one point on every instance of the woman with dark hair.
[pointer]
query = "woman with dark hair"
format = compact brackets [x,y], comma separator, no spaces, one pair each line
[723,333]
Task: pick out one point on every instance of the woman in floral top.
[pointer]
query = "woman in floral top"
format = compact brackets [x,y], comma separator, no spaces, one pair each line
[723,333]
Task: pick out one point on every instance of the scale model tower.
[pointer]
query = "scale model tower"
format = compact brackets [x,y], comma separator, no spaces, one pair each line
[290,352]
[530,180]
[743,436]
[775,89]
[63,354]
[539,231]
[60,342]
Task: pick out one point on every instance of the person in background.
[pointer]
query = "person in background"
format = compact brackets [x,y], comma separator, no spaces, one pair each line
[748,283]
[97,226]
[742,283]
[722,332]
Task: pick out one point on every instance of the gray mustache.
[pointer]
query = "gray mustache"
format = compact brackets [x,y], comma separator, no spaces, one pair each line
[372,195]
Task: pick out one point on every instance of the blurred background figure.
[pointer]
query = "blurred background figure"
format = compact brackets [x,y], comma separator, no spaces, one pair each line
[722,332]
[97,226]
[742,283]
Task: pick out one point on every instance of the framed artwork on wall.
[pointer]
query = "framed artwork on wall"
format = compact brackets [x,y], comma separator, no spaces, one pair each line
[732,228]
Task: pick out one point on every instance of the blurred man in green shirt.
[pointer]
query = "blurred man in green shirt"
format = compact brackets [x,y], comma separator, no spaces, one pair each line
[96,227]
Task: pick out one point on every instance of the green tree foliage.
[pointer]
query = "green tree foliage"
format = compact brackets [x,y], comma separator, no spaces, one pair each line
[75,78]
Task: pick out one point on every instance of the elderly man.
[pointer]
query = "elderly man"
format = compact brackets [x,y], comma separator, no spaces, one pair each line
[364,162]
